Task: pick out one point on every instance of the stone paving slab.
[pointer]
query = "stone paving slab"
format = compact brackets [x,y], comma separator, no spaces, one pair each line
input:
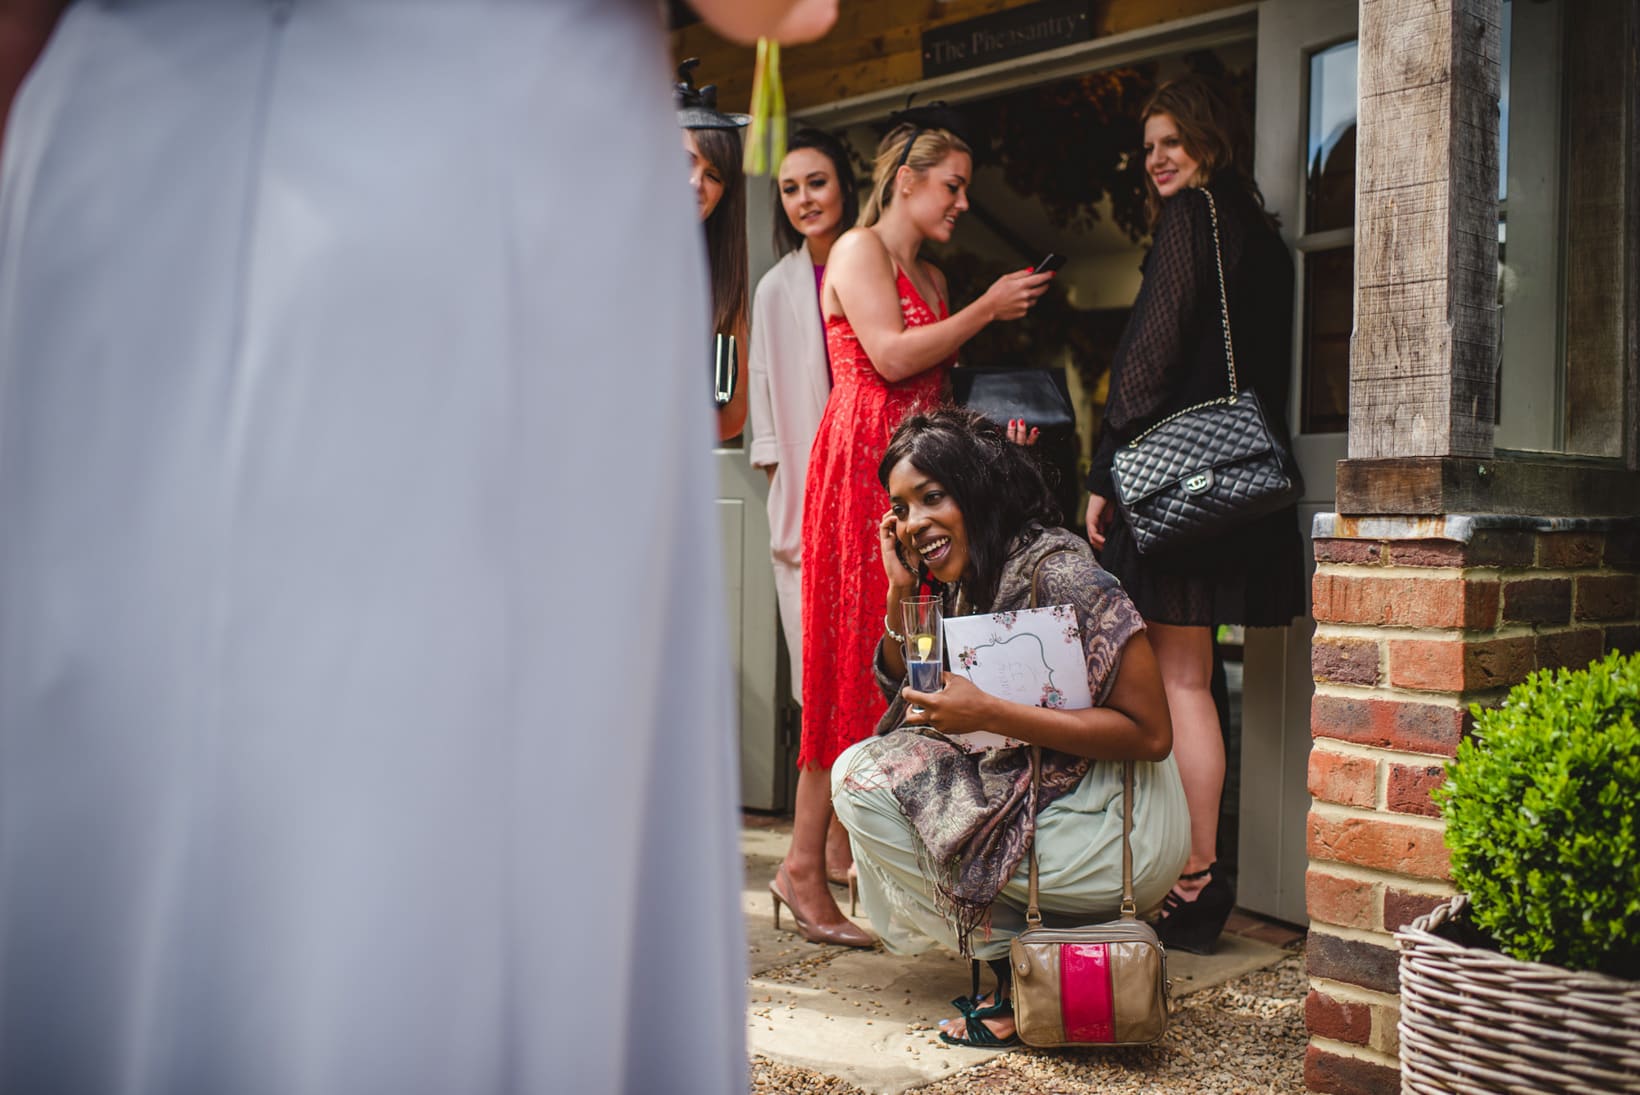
[870,1018]
[867,1017]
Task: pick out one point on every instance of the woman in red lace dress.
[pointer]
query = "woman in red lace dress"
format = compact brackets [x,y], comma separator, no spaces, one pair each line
[891,339]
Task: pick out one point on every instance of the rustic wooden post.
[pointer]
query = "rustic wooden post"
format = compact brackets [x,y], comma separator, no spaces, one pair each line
[1422,357]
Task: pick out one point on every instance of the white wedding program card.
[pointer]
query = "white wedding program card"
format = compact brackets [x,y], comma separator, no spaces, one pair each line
[1031,656]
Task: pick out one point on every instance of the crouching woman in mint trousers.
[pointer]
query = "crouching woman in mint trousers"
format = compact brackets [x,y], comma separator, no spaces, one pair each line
[940,834]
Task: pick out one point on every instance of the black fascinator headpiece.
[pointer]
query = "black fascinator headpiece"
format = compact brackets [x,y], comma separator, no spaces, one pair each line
[697,106]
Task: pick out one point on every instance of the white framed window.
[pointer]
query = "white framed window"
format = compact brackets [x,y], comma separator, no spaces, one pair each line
[1326,239]
[1566,282]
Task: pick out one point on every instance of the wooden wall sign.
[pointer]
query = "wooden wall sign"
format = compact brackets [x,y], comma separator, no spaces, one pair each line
[1005,35]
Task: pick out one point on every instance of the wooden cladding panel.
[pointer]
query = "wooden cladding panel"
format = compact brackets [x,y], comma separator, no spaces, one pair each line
[1421,369]
[874,45]
[877,45]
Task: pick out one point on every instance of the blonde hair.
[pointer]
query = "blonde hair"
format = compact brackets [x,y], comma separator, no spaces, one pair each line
[928,148]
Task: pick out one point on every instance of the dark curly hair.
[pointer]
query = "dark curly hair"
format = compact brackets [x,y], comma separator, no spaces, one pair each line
[996,484]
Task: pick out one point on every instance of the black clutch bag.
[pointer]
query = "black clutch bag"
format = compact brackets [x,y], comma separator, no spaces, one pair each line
[1039,396]
[1042,398]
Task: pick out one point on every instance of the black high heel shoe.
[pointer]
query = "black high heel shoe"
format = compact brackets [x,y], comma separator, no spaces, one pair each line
[1195,925]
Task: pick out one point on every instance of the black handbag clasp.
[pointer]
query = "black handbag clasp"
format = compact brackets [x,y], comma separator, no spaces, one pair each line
[1199,482]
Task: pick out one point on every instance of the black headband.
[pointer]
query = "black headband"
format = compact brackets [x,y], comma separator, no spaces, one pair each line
[935,115]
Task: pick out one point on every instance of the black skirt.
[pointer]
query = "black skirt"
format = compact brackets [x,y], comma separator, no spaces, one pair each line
[1253,576]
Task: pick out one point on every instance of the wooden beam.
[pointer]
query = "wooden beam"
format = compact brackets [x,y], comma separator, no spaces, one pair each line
[1422,380]
[1431,486]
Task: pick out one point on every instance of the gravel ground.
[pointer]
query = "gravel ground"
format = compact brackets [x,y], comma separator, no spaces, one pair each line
[1244,1036]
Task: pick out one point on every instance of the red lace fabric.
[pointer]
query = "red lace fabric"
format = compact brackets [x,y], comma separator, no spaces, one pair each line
[844,587]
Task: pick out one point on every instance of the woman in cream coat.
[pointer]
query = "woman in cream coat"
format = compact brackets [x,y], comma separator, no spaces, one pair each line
[790,376]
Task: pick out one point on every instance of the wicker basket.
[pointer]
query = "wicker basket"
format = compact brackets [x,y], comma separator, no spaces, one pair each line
[1474,1020]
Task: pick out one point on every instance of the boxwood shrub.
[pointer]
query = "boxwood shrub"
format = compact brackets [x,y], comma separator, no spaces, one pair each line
[1542,809]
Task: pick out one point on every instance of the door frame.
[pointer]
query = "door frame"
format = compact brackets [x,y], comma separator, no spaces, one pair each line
[761,689]
[1275,719]
[1277,682]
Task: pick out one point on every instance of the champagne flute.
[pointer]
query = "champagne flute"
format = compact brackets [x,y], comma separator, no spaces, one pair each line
[922,618]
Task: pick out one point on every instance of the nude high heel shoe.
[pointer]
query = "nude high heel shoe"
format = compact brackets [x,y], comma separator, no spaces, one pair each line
[851,879]
[841,935]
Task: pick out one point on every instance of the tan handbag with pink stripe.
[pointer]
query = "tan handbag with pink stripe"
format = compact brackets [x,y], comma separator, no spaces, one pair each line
[1100,985]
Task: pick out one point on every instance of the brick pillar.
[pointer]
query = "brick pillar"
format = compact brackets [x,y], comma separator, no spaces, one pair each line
[1417,619]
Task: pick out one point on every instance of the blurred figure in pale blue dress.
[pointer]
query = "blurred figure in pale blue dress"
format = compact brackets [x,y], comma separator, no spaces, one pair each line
[364,726]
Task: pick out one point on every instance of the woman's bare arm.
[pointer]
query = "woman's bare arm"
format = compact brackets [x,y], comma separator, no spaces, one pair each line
[860,277]
[1132,724]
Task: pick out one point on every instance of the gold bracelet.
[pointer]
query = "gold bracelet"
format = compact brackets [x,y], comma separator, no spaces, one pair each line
[895,635]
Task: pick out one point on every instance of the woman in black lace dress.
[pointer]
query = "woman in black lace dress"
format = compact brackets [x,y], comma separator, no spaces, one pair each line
[1171,356]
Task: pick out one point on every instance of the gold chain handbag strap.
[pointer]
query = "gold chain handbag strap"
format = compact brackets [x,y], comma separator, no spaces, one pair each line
[1224,316]
[1033,915]
[1224,297]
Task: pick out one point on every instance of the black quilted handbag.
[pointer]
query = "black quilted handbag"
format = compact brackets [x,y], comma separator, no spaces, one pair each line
[1208,468]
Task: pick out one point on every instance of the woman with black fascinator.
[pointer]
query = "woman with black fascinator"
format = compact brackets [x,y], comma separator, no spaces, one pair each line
[712,141]
[939,832]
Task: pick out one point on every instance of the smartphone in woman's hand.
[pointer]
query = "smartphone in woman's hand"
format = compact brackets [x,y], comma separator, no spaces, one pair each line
[915,567]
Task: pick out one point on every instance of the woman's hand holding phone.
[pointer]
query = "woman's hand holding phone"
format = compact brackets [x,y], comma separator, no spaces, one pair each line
[1012,295]
[902,578]
[902,583]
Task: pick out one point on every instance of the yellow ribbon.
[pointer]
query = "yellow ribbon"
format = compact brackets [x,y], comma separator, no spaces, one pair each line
[766,139]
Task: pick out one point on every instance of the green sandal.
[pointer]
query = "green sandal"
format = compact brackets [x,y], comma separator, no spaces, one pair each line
[981,1036]
[975,1011]
[974,1005]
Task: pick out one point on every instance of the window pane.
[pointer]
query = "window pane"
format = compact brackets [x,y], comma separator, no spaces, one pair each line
[1503,101]
[1530,234]
[1596,277]
[1329,314]
[1330,154]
